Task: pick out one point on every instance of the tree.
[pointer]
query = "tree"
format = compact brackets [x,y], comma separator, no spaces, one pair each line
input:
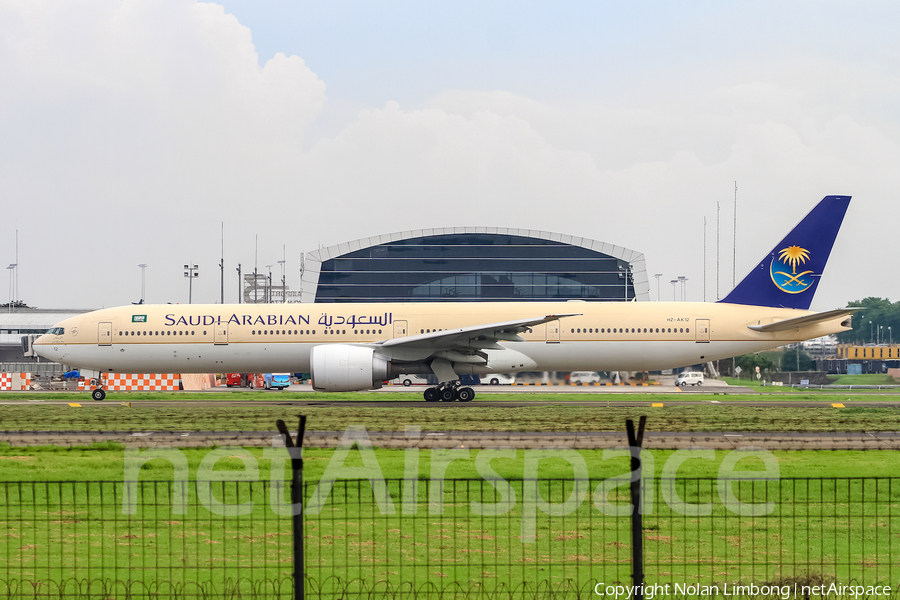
[876,312]
[749,362]
[789,361]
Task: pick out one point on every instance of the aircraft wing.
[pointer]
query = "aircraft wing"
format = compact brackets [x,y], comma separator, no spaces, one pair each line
[801,321]
[477,336]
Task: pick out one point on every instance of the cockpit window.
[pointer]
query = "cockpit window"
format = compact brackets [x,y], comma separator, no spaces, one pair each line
[56,331]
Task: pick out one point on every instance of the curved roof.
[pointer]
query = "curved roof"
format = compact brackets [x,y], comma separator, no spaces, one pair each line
[309,280]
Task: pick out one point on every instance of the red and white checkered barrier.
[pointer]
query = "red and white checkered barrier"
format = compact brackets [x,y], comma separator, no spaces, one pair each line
[137,382]
[15,381]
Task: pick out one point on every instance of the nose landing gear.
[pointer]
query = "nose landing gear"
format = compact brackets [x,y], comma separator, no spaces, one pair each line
[449,392]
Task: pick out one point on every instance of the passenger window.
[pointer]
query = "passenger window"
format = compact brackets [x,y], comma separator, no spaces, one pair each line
[688,330]
[253,332]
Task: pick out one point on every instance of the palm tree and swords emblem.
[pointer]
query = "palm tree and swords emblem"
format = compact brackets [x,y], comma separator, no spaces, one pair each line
[790,258]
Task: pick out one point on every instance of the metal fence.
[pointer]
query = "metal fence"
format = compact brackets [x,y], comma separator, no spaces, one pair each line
[442,539]
[152,539]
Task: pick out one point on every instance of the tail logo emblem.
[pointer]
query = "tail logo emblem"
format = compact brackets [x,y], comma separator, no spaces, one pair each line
[784,270]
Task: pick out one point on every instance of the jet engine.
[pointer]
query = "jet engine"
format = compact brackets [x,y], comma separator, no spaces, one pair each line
[343,368]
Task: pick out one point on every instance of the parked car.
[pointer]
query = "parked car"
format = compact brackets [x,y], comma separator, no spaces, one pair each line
[409,379]
[689,378]
[584,377]
[498,379]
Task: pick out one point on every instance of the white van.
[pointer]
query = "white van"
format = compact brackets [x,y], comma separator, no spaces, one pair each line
[689,378]
[584,377]
[498,379]
[407,380]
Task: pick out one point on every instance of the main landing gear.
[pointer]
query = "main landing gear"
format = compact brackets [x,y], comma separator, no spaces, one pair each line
[449,392]
[98,394]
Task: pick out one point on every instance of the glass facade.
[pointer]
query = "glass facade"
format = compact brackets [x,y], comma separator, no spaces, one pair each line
[474,266]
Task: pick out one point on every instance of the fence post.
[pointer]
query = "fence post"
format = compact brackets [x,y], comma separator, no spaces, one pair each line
[637,522]
[296,453]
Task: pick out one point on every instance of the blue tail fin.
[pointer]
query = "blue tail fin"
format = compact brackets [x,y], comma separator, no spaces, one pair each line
[788,276]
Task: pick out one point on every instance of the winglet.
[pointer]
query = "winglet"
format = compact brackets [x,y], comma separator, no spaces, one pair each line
[788,275]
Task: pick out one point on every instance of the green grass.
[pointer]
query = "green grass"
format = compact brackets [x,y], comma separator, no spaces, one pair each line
[508,394]
[561,417]
[66,536]
[873,379]
[832,529]
[106,462]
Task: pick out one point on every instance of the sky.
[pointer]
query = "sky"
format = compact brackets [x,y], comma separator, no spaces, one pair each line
[135,131]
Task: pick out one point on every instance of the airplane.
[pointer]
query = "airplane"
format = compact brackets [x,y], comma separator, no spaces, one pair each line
[357,346]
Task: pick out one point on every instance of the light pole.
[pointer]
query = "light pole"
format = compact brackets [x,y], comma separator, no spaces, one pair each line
[658,275]
[191,271]
[240,285]
[269,285]
[880,334]
[283,293]
[674,282]
[891,335]
[143,271]
[682,279]
[12,290]
[871,335]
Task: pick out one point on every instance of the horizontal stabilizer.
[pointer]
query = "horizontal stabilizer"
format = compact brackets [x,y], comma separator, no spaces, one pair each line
[802,321]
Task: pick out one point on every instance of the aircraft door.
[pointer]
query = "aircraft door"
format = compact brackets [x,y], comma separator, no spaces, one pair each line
[553,332]
[701,327]
[400,329]
[221,336]
[104,334]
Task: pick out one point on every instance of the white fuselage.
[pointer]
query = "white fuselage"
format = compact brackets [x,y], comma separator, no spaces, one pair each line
[623,336]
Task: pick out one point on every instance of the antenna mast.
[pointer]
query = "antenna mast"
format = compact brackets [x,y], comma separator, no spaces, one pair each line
[734,241]
[704,259]
[717,251]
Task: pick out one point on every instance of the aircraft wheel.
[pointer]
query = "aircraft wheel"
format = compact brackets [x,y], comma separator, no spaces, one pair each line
[448,395]
[466,394]
[431,395]
[98,395]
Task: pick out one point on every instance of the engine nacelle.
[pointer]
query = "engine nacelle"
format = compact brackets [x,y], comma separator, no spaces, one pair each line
[343,368]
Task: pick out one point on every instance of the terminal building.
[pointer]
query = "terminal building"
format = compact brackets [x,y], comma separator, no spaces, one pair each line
[459,264]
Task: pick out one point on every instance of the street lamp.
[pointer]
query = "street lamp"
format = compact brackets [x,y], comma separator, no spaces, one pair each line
[682,279]
[283,293]
[191,271]
[673,282]
[658,275]
[871,335]
[269,285]
[12,269]
[240,285]
[143,270]
[891,335]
